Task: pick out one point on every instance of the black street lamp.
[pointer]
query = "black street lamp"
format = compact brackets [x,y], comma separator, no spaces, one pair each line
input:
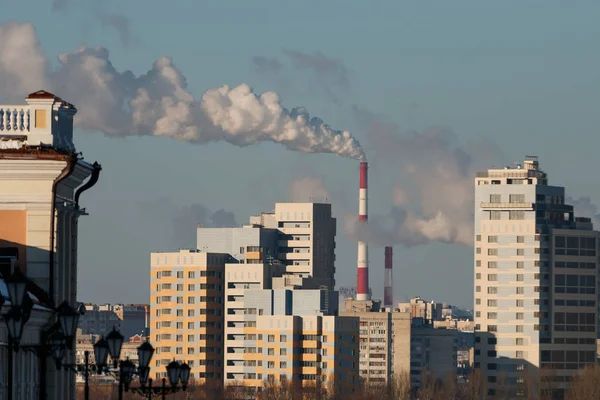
[114,340]
[53,341]
[68,318]
[17,287]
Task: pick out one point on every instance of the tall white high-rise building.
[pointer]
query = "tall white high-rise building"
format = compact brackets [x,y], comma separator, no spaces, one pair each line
[536,268]
[306,242]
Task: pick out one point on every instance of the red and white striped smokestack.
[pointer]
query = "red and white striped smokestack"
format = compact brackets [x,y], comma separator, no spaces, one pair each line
[362,281]
[388,289]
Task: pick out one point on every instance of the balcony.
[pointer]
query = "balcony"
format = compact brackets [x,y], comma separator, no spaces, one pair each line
[511,206]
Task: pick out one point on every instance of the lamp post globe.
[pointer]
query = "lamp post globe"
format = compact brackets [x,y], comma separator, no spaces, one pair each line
[68,318]
[101,353]
[185,375]
[57,343]
[14,325]
[173,372]
[145,352]
[114,341]
[17,287]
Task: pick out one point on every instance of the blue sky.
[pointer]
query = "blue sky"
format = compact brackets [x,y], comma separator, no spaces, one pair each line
[522,76]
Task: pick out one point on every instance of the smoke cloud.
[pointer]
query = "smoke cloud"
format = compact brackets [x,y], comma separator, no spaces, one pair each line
[308,189]
[182,222]
[327,75]
[584,207]
[434,198]
[158,102]
[119,23]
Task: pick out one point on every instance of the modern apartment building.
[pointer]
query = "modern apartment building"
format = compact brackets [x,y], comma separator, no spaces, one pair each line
[384,342]
[239,279]
[306,239]
[536,268]
[186,301]
[433,351]
[293,336]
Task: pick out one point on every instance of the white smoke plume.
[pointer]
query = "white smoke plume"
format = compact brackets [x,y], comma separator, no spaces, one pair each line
[158,102]
[434,198]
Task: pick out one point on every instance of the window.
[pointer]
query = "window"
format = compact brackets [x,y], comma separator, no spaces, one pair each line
[179,274]
[478,301]
[520,278]
[520,315]
[190,325]
[478,250]
[519,328]
[282,352]
[492,252]
[190,300]
[520,290]
[520,264]
[271,351]
[478,238]
[478,276]
[179,299]
[191,287]
[180,287]
[520,252]
[271,364]
[179,325]
[495,198]
[190,313]
[519,341]
[478,288]
[520,239]
[492,277]
[191,274]
[492,303]
[516,198]
[478,263]
[492,239]
[495,215]
[492,290]
[271,338]
[516,214]
[492,328]
[520,354]
[520,303]
[283,338]
[492,315]
[492,264]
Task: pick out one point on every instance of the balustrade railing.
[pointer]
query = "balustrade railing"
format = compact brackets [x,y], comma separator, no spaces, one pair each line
[14,119]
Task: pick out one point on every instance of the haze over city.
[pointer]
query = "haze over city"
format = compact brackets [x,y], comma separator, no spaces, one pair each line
[432,94]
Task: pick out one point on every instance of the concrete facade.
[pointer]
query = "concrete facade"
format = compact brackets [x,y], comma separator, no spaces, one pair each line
[536,269]
[384,341]
[288,337]
[432,350]
[186,319]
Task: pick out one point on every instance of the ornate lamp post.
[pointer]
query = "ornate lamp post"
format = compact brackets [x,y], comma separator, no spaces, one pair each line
[175,372]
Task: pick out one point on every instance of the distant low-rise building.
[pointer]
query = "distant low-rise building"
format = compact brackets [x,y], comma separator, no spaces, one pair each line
[129,319]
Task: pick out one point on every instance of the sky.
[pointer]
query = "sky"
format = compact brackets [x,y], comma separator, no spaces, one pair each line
[432,92]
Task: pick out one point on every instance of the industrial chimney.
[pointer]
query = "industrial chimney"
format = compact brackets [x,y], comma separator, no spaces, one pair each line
[362,282]
[388,289]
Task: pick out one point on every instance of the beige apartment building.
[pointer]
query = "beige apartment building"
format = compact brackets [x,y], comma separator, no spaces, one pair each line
[384,342]
[283,343]
[186,321]
[536,268]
